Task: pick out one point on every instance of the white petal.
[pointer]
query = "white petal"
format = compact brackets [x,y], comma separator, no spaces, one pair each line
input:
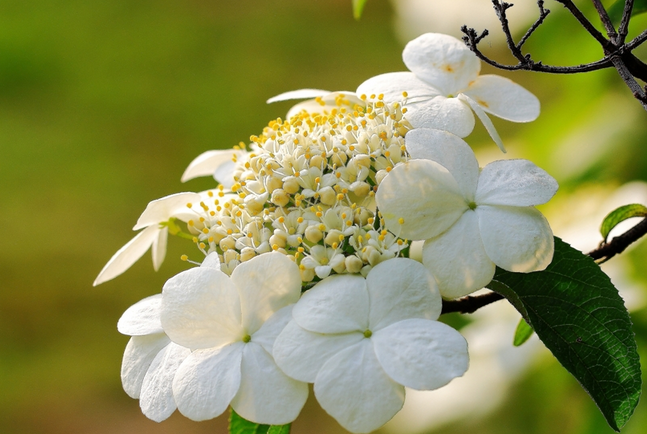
[138,356]
[298,94]
[224,174]
[211,261]
[156,399]
[266,335]
[393,84]
[337,304]
[127,255]
[487,123]
[301,354]
[206,163]
[207,381]
[442,61]
[266,284]
[457,258]
[354,389]
[421,354]
[142,318]
[201,309]
[515,183]
[158,250]
[266,395]
[442,113]
[161,210]
[504,98]
[450,151]
[516,239]
[401,288]
[425,195]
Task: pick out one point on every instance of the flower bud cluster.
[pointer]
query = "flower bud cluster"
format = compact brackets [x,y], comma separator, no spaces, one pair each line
[305,187]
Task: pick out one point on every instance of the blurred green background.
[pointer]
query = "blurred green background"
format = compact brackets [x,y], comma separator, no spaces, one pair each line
[104,103]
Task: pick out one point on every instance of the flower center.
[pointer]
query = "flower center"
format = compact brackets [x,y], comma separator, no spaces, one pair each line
[368,333]
[472,205]
[247,338]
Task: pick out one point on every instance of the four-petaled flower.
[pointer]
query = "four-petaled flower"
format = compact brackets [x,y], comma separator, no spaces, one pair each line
[230,324]
[471,220]
[361,340]
[150,359]
[444,86]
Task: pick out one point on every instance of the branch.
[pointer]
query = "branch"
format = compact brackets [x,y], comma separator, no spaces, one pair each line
[620,243]
[606,20]
[623,28]
[471,303]
[606,44]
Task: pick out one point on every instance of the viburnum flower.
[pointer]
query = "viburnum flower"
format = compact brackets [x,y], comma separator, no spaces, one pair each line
[230,323]
[472,220]
[362,340]
[155,220]
[218,163]
[150,359]
[444,86]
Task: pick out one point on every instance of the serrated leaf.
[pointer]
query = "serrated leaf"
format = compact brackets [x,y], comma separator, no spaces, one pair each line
[358,8]
[619,215]
[238,425]
[616,9]
[522,333]
[579,315]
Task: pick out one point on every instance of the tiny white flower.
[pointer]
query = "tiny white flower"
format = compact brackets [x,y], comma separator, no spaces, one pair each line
[444,86]
[362,340]
[154,235]
[150,359]
[471,220]
[230,323]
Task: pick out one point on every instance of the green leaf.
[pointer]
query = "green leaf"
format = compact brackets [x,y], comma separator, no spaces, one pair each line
[523,333]
[238,425]
[358,8]
[616,9]
[579,315]
[619,215]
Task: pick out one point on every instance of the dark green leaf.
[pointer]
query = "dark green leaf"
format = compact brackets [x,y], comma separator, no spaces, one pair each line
[358,8]
[523,333]
[616,9]
[238,425]
[579,315]
[619,215]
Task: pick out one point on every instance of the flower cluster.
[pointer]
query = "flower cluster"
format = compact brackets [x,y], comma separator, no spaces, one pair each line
[306,276]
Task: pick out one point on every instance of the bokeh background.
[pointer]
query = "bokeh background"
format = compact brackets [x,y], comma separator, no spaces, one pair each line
[104,103]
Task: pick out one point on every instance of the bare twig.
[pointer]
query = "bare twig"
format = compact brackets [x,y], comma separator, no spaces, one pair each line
[620,243]
[637,41]
[543,13]
[471,303]
[584,22]
[606,20]
[623,28]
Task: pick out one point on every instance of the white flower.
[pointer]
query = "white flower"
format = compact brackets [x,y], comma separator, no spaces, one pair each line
[155,234]
[471,220]
[150,359]
[317,100]
[362,340]
[444,87]
[230,323]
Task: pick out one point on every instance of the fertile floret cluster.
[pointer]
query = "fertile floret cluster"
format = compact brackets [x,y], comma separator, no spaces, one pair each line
[306,275]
